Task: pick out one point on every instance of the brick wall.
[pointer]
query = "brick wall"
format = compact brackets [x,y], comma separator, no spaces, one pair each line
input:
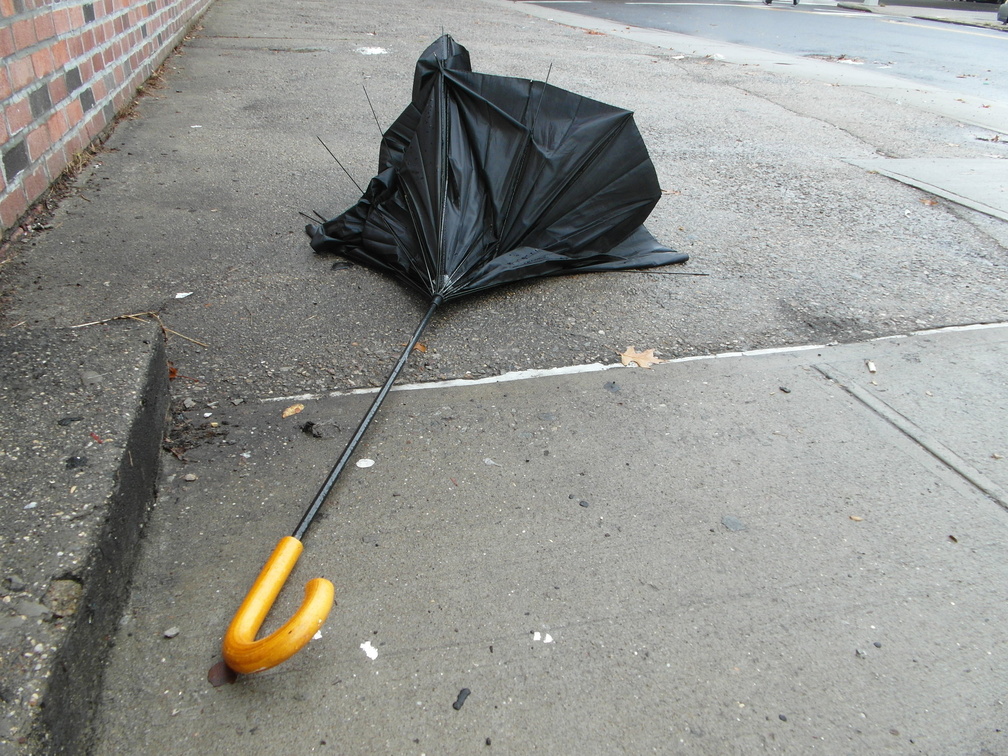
[68,68]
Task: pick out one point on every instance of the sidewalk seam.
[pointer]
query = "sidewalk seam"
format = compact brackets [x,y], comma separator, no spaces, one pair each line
[917,434]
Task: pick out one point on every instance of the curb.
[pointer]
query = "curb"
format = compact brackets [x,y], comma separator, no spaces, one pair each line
[80,456]
[881,9]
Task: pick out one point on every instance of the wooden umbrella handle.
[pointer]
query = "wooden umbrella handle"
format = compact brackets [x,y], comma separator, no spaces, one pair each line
[242,652]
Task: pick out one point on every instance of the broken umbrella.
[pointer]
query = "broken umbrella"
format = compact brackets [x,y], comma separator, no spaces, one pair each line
[483,180]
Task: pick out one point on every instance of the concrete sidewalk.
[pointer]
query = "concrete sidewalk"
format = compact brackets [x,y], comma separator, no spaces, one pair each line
[682,537]
[781,551]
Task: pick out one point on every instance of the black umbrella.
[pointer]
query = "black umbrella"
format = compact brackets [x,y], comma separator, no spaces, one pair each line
[483,180]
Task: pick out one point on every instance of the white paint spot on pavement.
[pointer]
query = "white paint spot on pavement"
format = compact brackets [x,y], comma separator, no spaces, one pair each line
[371,651]
[365,462]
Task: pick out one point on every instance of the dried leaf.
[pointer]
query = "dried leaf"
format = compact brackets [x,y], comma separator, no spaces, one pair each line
[292,410]
[641,359]
[929,202]
[592,31]
[422,348]
[172,372]
[856,518]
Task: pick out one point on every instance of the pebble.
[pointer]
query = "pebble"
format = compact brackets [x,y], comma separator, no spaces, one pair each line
[462,696]
[171,632]
[733,523]
[188,403]
[189,477]
[14,582]
[583,503]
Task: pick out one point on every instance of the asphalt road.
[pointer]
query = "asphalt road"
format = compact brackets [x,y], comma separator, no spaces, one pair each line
[965,60]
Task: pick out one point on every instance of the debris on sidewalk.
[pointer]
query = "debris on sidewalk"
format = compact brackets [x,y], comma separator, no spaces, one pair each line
[292,410]
[462,696]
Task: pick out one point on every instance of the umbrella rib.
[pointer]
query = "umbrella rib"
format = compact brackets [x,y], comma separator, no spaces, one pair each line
[340,164]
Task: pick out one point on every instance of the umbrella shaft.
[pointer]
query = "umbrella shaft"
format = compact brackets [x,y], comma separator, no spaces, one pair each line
[351,446]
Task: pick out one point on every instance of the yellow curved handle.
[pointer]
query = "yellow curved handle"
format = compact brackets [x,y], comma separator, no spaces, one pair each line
[242,652]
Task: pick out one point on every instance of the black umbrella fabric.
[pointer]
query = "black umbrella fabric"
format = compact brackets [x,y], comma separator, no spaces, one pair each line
[485,180]
[482,181]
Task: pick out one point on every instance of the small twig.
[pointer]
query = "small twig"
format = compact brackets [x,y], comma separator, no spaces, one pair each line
[135,316]
[141,317]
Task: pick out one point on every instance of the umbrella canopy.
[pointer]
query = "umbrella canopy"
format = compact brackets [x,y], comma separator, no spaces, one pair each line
[485,180]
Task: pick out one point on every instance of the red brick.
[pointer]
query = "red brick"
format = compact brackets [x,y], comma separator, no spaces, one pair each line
[74,112]
[22,72]
[19,115]
[7,8]
[76,17]
[38,142]
[42,62]
[56,162]
[99,90]
[95,125]
[24,34]
[57,126]
[61,54]
[74,145]
[96,64]
[35,183]
[76,45]
[7,47]
[58,90]
[44,27]
[5,87]
[13,207]
[61,21]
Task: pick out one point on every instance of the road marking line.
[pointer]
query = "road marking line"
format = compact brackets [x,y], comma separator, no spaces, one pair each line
[598,367]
